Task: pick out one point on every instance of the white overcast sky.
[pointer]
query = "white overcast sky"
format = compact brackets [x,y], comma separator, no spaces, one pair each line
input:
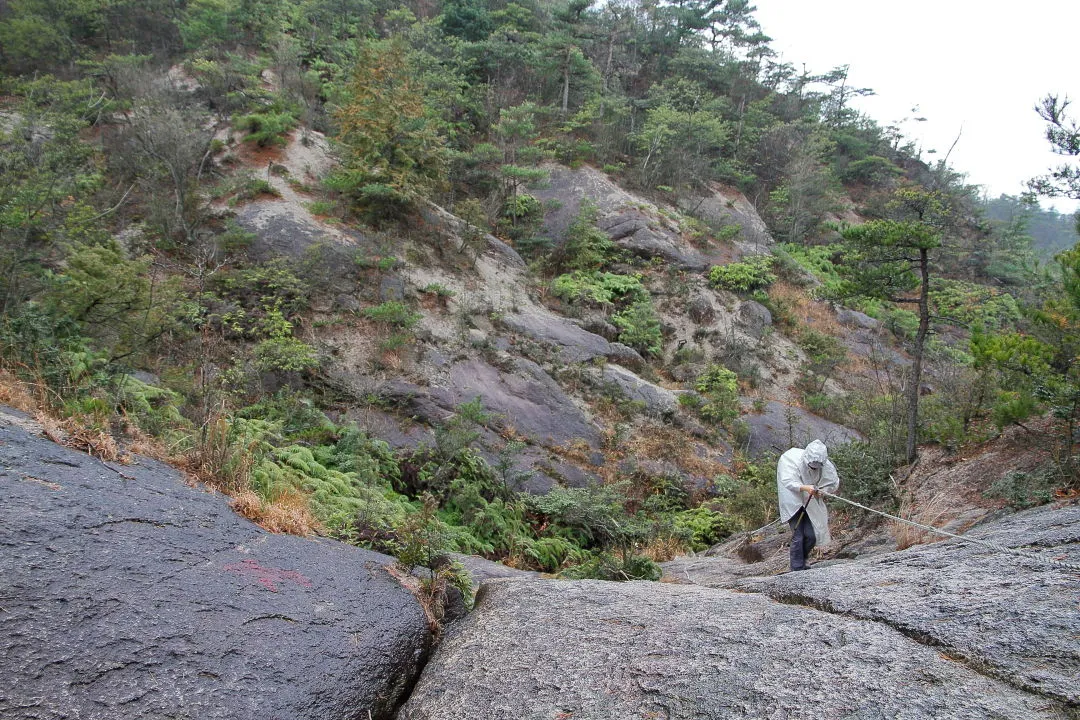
[980,65]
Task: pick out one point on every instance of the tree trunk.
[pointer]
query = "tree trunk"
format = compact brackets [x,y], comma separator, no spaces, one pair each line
[916,365]
[566,83]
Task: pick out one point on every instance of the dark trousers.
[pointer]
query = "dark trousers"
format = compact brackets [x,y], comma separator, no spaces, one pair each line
[803,540]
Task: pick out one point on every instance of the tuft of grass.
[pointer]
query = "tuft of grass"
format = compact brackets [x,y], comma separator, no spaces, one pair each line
[288,512]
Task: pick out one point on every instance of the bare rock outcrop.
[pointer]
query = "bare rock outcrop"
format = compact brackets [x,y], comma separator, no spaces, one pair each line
[129,594]
[1010,617]
[778,427]
[590,649]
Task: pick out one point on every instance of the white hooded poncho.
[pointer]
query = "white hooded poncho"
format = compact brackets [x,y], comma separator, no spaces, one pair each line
[792,471]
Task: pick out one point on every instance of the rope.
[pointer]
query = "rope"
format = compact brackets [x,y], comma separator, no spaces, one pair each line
[985,543]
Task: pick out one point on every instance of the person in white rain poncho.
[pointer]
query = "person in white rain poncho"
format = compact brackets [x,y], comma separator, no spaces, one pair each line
[800,474]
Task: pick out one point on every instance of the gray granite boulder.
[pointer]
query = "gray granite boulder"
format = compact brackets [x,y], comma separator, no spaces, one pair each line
[631,230]
[481,570]
[590,649]
[725,206]
[282,229]
[658,402]
[524,397]
[856,319]
[754,318]
[572,342]
[701,310]
[1012,618]
[131,594]
[779,427]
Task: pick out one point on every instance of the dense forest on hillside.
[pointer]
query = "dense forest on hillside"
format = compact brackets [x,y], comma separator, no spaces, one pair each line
[135,316]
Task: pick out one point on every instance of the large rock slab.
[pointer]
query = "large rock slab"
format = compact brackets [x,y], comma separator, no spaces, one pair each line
[286,229]
[779,427]
[724,206]
[1013,618]
[572,342]
[136,596]
[631,221]
[657,401]
[526,398]
[590,649]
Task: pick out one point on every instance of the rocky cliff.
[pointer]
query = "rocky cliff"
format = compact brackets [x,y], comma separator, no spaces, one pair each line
[129,594]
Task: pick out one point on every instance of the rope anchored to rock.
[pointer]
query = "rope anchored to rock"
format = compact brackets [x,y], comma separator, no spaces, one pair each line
[997,547]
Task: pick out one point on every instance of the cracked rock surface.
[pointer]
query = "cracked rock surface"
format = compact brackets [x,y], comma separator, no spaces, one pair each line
[145,598]
[596,650]
[1012,618]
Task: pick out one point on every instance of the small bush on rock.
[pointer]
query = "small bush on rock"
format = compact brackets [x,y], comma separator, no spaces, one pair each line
[750,274]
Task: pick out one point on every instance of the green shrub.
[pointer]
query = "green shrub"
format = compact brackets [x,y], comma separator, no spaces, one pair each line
[904,324]
[824,353]
[602,288]
[266,128]
[639,327]
[1025,489]
[706,527]
[393,313]
[874,170]
[720,389]
[865,471]
[155,410]
[751,274]
[586,248]
[611,566]
[285,354]
[970,304]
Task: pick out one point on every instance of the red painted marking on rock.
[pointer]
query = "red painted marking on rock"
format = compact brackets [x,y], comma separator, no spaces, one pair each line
[267,577]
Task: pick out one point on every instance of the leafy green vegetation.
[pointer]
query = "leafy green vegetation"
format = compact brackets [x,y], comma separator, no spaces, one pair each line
[720,389]
[602,288]
[132,303]
[745,276]
[639,327]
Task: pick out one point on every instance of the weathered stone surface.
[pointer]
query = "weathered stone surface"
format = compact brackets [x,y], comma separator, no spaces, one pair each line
[701,310]
[525,398]
[856,319]
[1012,618]
[754,318]
[590,649]
[147,598]
[574,343]
[482,570]
[346,303]
[632,231]
[446,222]
[659,402]
[391,289]
[631,221]
[779,427]
[281,229]
[727,206]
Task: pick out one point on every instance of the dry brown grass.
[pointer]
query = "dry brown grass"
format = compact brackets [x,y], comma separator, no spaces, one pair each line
[807,311]
[674,446]
[288,513]
[14,393]
[664,549]
[935,511]
[70,432]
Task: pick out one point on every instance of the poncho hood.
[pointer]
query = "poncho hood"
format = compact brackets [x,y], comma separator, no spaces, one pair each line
[816,453]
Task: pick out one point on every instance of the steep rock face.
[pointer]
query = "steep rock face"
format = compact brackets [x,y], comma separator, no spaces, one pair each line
[549,649]
[1013,618]
[727,206]
[640,225]
[779,427]
[132,595]
[572,342]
